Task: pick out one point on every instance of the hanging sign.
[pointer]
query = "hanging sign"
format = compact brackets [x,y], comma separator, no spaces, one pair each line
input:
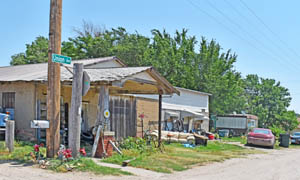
[106,113]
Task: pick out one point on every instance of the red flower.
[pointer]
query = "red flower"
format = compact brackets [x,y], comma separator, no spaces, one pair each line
[67,153]
[36,148]
[141,116]
[42,145]
[82,151]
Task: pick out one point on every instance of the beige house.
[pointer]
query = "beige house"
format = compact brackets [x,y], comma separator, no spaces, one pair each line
[23,88]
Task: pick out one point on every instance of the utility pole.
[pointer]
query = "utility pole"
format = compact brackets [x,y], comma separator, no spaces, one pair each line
[53,90]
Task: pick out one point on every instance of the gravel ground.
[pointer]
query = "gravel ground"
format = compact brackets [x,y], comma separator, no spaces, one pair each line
[276,165]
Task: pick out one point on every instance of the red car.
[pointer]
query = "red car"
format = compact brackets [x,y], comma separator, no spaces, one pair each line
[262,137]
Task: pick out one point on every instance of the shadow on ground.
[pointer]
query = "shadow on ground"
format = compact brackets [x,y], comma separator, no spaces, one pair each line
[16,163]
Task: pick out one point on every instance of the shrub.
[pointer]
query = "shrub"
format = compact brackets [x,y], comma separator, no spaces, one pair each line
[276,130]
[137,144]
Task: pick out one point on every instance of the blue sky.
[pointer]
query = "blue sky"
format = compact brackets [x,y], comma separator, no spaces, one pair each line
[270,53]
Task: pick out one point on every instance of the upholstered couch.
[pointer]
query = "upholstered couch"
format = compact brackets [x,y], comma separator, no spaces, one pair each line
[174,136]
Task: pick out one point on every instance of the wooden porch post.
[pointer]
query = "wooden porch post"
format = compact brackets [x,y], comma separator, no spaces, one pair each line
[159,119]
[103,106]
[101,122]
[75,113]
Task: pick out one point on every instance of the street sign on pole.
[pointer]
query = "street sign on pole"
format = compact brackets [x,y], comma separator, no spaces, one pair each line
[61,59]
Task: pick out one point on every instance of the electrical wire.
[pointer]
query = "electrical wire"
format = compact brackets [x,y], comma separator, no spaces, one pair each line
[268,28]
[226,27]
[264,35]
[270,51]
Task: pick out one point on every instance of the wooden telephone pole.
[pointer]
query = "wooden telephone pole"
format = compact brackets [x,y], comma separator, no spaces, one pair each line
[53,90]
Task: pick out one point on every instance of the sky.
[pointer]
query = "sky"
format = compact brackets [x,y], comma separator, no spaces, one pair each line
[263,33]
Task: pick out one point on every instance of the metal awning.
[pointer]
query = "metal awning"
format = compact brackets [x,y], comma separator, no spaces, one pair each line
[186,111]
[169,114]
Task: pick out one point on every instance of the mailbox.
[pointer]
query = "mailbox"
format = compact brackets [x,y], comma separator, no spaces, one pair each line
[43,124]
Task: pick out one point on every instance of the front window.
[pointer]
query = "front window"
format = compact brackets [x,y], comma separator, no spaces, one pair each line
[8,100]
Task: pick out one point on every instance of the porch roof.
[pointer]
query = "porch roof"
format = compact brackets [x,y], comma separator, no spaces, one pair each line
[124,80]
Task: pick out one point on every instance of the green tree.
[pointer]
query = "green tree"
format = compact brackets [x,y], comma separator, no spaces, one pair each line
[93,42]
[287,120]
[36,52]
[217,76]
[267,99]
[177,57]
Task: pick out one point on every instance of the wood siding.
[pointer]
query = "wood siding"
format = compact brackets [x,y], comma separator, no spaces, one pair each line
[123,116]
[149,108]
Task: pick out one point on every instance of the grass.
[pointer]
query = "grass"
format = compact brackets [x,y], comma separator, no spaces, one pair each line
[294,146]
[241,139]
[85,165]
[178,158]
[22,150]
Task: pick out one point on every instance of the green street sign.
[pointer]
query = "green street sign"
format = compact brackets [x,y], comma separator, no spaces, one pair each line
[61,59]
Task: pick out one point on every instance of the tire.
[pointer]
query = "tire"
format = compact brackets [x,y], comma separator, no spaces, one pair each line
[87,136]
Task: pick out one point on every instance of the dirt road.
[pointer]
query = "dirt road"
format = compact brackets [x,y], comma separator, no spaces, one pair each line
[276,165]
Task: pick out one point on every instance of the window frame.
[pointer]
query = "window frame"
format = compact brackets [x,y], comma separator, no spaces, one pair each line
[8,100]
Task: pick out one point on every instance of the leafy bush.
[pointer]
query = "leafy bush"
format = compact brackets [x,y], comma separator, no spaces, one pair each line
[137,145]
[276,130]
[134,143]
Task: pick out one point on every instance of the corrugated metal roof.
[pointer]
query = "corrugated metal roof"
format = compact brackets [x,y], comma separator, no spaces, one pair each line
[191,110]
[38,72]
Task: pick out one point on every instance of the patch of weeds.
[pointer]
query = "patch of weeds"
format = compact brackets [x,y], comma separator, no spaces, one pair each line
[21,152]
[84,165]
[175,157]
[294,146]
[218,146]
[241,139]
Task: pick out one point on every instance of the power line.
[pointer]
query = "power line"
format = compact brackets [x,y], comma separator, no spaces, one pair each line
[237,35]
[268,28]
[226,27]
[261,32]
[250,35]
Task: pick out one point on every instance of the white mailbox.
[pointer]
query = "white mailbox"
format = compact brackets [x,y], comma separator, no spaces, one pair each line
[43,124]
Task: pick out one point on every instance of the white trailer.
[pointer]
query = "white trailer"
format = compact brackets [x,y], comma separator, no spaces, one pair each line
[239,123]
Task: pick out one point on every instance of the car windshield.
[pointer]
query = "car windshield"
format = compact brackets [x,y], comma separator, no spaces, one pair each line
[297,134]
[261,131]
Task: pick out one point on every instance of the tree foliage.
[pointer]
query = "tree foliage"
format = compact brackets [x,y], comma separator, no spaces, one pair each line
[36,52]
[183,61]
[267,99]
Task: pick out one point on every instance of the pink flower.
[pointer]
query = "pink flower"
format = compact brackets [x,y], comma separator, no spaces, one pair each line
[82,151]
[36,148]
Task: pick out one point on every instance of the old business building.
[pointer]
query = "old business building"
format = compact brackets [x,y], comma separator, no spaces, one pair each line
[23,90]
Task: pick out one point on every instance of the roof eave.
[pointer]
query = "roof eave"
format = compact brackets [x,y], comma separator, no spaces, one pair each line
[156,75]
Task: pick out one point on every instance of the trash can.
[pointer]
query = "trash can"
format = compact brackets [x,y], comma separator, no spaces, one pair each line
[223,133]
[284,140]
